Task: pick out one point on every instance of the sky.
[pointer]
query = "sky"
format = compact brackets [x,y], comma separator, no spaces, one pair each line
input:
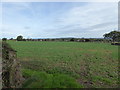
[58,19]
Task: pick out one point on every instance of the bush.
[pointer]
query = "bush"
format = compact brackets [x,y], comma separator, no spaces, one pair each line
[20,38]
[4,39]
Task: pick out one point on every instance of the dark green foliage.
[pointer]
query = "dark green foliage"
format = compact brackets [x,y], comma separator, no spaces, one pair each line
[114,35]
[4,39]
[20,38]
[72,39]
[11,38]
[87,40]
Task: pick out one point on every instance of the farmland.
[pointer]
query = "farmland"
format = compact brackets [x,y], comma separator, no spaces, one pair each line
[67,64]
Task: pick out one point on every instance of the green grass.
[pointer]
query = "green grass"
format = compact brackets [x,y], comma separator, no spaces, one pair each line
[95,62]
[37,79]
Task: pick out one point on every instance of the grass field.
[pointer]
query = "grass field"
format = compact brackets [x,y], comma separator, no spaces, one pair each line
[67,64]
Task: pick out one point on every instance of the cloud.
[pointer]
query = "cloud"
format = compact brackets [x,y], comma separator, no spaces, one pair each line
[97,17]
[50,20]
[91,14]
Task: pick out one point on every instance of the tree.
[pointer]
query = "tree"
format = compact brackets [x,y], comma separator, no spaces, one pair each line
[114,35]
[87,40]
[4,39]
[19,38]
[72,39]
[11,38]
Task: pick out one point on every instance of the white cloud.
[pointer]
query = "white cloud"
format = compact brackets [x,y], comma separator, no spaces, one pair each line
[90,20]
[97,17]
[91,14]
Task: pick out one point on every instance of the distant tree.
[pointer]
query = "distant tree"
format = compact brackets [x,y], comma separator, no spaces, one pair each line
[114,35]
[87,40]
[11,38]
[24,39]
[4,39]
[52,40]
[82,39]
[20,38]
[62,39]
[72,39]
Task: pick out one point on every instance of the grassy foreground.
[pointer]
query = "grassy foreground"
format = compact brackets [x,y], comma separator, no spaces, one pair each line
[50,64]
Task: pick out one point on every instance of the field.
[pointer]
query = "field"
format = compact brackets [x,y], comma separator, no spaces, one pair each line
[67,64]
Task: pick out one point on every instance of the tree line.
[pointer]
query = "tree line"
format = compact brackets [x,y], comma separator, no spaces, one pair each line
[113,36]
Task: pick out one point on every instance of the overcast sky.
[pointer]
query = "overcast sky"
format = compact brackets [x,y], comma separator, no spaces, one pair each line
[58,19]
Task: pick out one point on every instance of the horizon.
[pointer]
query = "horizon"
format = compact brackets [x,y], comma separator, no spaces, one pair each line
[59,19]
[57,38]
